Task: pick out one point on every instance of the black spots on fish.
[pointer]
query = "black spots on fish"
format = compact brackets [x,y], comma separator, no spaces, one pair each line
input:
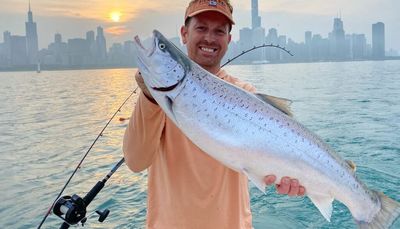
[260,118]
[245,115]
[194,89]
[204,101]
[271,119]
[194,96]
[185,94]
[215,109]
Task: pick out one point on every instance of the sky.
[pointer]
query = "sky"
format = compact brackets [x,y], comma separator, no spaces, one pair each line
[124,19]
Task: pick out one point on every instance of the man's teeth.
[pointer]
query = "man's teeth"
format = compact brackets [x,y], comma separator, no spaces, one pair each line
[207,49]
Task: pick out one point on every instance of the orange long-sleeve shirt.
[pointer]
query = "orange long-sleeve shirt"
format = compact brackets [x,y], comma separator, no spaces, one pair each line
[187,189]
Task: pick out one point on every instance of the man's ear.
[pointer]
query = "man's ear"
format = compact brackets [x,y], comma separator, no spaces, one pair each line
[184,32]
[229,38]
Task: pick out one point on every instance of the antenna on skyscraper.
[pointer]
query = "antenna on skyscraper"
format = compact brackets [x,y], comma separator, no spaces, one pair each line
[29,5]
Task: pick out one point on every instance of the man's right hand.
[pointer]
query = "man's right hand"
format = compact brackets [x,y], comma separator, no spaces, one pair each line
[143,87]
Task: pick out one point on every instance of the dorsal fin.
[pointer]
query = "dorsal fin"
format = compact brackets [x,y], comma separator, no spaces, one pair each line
[281,104]
[352,165]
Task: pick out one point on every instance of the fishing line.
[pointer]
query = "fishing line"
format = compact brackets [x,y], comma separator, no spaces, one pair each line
[90,196]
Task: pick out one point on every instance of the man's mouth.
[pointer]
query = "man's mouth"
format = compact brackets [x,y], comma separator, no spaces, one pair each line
[208,49]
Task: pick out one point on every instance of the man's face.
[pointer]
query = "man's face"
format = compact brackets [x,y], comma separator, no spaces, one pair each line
[207,37]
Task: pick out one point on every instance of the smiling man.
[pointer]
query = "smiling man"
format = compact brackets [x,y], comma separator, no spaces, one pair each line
[186,187]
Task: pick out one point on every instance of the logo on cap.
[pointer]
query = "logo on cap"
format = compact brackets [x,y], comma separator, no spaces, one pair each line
[212,3]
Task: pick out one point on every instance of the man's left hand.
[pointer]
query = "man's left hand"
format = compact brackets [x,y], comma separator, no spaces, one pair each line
[287,186]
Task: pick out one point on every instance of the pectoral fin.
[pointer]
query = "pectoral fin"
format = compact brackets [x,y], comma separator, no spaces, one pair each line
[258,181]
[352,165]
[279,103]
[323,203]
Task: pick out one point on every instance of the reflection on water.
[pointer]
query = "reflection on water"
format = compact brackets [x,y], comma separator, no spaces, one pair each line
[49,120]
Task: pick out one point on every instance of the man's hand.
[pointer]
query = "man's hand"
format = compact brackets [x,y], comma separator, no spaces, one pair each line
[143,87]
[287,186]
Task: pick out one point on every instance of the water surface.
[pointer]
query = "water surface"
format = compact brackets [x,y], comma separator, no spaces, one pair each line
[49,120]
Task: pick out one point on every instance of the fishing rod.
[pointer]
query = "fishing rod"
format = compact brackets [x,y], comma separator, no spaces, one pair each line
[72,209]
[83,158]
[257,47]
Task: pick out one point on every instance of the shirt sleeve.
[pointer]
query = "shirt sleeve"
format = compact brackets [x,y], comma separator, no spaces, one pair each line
[242,84]
[143,134]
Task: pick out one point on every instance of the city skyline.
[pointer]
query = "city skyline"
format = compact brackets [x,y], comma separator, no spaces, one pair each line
[73,19]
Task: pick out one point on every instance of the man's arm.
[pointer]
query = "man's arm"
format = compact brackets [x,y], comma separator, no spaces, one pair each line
[144,131]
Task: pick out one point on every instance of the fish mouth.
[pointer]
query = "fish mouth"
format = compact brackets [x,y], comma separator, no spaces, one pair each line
[165,89]
[146,51]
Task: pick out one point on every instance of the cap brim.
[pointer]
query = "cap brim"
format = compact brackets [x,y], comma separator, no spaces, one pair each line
[213,10]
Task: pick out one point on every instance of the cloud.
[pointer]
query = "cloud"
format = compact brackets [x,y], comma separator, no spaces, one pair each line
[117,30]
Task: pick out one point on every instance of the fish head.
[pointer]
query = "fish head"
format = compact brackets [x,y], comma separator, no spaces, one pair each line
[162,65]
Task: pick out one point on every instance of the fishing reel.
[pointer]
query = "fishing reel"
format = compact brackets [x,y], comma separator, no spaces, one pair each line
[72,210]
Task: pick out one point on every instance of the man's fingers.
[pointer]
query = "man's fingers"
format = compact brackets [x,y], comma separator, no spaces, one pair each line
[270,179]
[294,188]
[284,186]
[302,191]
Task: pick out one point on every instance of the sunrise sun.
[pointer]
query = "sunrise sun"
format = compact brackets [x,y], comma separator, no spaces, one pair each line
[115,16]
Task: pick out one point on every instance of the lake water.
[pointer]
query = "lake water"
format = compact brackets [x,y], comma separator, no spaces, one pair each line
[49,120]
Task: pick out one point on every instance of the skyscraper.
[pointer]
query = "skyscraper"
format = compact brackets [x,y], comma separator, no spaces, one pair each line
[255,19]
[31,38]
[338,42]
[378,40]
[101,47]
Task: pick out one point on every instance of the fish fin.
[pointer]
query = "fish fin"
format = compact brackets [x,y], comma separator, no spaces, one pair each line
[323,203]
[352,165]
[281,104]
[387,215]
[257,180]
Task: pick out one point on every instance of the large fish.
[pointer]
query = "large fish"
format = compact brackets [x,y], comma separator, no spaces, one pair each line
[255,134]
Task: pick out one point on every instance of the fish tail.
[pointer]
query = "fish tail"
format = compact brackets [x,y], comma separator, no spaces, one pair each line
[390,211]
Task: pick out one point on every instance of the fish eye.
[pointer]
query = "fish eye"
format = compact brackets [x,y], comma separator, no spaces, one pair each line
[162,46]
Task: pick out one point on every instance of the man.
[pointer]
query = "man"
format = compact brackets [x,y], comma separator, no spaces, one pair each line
[186,187]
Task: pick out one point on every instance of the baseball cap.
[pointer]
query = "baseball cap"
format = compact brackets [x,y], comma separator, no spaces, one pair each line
[199,6]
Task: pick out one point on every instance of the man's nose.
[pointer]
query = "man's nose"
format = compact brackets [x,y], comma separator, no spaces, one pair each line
[210,37]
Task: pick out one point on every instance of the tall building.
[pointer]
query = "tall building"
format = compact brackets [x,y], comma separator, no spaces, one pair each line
[32,44]
[6,48]
[308,45]
[92,46]
[358,46]
[338,40]
[101,47]
[378,40]
[255,18]
[18,50]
